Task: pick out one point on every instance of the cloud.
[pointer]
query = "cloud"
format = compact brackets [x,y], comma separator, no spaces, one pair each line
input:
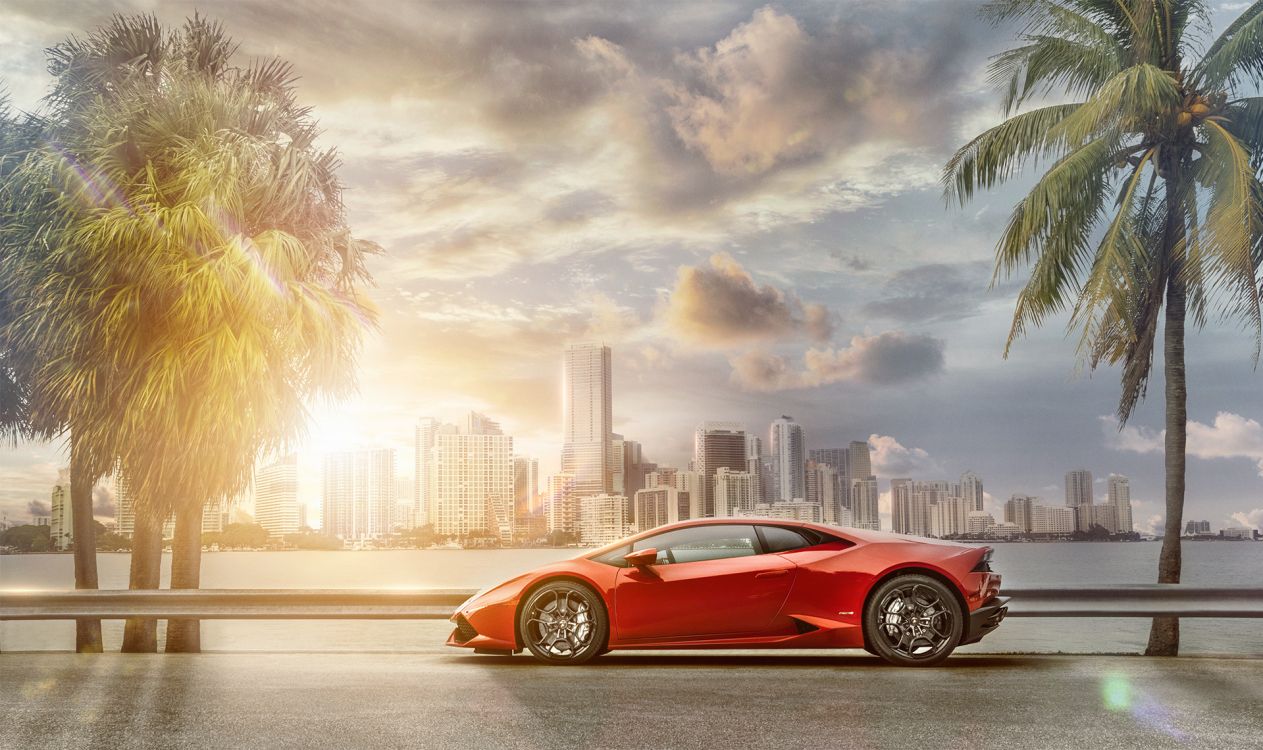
[1152,526]
[1229,436]
[885,359]
[892,459]
[937,291]
[38,508]
[720,305]
[1250,519]
[103,501]
[771,93]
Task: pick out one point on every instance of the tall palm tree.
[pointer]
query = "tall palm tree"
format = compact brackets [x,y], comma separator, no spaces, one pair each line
[19,136]
[201,284]
[1149,208]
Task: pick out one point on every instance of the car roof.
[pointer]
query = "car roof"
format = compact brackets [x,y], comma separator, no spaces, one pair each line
[847,533]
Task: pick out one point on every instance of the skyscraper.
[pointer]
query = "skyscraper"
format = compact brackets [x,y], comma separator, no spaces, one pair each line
[971,491]
[733,491]
[786,440]
[61,527]
[426,429]
[716,445]
[1078,488]
[560,504]
[602,519]
[525,486]
[1019,510]
[1120,497]
[859,462]
[635,468]
[864,498]
[472,480]
[835,457]
[655,506]
[359,493]
[587,418]
[901,505]
[276,497]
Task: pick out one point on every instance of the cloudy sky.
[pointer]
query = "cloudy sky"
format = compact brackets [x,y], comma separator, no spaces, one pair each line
[741,199]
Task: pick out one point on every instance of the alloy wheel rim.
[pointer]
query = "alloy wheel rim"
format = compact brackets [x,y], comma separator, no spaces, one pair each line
[562,626]
[915,621]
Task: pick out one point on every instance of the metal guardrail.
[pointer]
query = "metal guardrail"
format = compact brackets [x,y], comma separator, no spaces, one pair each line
[234,604]
[1129,600]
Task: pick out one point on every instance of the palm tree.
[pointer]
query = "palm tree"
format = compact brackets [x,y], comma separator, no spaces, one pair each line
[1149,209]
[19,136]
[200,283]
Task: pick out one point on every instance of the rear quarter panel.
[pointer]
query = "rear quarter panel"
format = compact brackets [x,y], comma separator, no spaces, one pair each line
[834,584]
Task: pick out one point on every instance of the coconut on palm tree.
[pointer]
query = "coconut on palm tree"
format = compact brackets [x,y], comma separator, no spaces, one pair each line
[1148,214]
[194,282]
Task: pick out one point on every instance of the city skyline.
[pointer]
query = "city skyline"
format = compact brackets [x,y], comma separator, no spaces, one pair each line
[738,273]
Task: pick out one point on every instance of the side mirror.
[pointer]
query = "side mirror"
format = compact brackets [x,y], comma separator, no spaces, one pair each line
[642,558]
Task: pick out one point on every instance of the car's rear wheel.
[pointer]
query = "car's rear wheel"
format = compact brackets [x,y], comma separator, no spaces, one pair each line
[913,621]
[564,623]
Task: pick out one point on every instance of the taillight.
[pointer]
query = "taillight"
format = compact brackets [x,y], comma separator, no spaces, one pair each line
[984,563]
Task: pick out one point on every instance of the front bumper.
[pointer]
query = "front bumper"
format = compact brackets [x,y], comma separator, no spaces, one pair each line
[985,619]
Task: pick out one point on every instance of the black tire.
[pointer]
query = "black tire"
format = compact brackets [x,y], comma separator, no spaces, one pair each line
[564,622]
[927,636]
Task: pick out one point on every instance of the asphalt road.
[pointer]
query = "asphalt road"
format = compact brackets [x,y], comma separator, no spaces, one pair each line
[452,699]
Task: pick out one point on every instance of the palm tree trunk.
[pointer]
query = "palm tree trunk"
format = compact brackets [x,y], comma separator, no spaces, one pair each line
[140,636]
[87,632]
[1164,635]
[185,636]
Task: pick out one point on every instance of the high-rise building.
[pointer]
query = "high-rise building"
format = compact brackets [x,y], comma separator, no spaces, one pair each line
[1119,494]
[979,522]
[971,490]
[61,526]
[635,468]
[475,423]
[526,486]
[426,429]
[1078,487]
[901,505]
[1052,520]
[949,516]
[688,483]
[835,457]
[472,481]
[359,494]
[754,465]
[587,419]
[655,506]
[788,459]
[125,512]
[717,445]
[734,491]
[560,504]
[1017,511]
[864,497]
[822,485]
[859,464]
[602,519]
[276,497]
[796,510]
[1193,528]
[214,516]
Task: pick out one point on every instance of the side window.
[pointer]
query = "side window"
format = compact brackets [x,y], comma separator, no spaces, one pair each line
[781,539]
[698,543]
[615,557]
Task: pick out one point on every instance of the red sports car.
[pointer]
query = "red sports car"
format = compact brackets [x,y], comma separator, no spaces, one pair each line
[744,583]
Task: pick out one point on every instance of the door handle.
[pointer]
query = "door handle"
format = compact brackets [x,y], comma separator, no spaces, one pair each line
[772,573]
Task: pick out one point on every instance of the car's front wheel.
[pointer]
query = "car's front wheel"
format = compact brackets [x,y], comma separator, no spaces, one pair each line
[913,621]
[564,623]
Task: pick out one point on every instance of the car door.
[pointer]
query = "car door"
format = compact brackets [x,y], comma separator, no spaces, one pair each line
[709,580]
